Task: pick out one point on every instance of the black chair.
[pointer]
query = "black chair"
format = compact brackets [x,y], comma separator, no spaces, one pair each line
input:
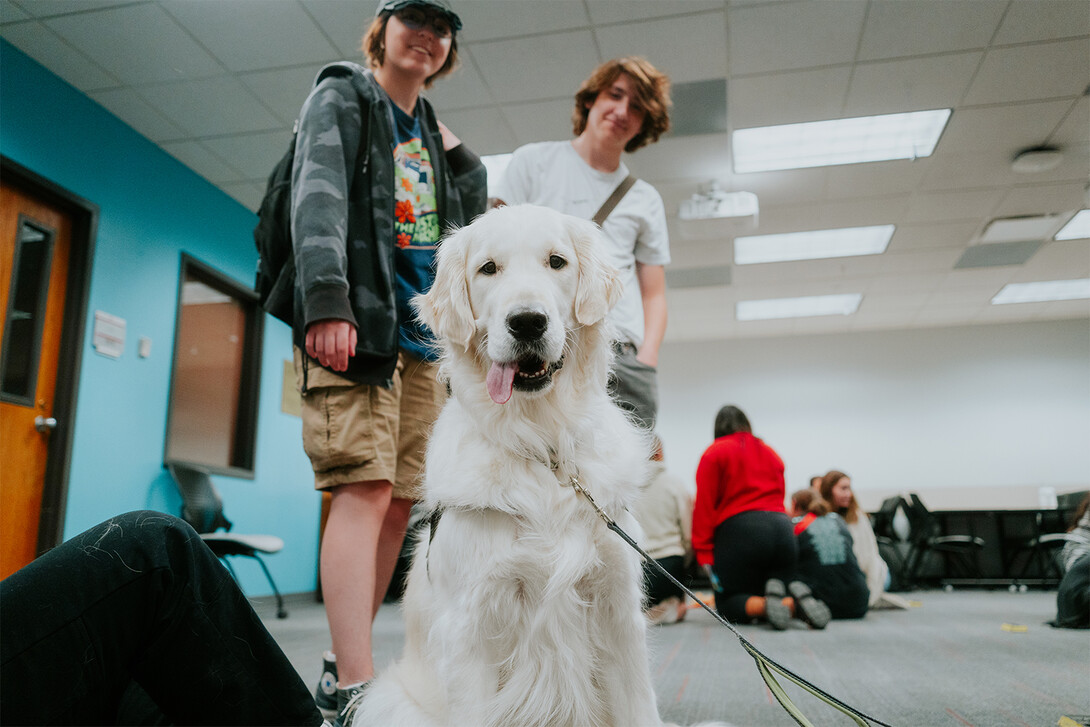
[1043,552]
[202,508]
[959,552]
[890,546]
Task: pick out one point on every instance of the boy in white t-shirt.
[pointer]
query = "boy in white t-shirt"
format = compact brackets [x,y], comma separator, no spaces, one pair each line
[622,106]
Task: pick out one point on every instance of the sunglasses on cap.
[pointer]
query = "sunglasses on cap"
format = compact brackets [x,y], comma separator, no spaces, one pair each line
[416,18]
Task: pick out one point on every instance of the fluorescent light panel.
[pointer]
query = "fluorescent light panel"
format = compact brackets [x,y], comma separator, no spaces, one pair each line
[1043,291]
[1077,229]
[807,307]
[812,244]
[838,141]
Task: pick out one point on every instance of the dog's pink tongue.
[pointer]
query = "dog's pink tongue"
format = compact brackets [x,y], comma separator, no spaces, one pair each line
[500,380]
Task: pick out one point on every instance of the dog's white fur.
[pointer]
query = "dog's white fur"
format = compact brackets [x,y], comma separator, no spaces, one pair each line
[523,608]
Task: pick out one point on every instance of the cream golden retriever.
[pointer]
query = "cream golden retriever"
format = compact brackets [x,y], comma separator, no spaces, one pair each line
[521,607]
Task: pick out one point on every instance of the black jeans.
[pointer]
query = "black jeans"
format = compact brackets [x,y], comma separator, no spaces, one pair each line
[657,587]
[750,548]
[140,598]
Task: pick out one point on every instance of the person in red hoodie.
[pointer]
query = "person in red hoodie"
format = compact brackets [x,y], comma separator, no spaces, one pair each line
[741,532]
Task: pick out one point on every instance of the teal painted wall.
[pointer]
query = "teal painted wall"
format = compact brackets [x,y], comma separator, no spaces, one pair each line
[151,209]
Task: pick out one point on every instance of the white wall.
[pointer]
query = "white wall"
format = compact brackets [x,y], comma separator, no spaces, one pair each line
[943,412]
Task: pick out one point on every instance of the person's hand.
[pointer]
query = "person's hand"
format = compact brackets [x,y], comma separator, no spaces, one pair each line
[449,139]
[716,585]
[331,342]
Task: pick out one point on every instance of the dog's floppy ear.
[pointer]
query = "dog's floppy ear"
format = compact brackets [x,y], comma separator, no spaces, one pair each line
[599,286]
[445,309]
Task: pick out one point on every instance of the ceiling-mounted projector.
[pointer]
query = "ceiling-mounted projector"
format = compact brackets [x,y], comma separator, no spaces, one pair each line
[711,202]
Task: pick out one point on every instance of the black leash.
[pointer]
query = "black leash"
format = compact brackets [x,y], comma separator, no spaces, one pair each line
[765,665]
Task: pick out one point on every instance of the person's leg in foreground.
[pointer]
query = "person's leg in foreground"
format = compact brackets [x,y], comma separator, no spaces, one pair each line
[140,598]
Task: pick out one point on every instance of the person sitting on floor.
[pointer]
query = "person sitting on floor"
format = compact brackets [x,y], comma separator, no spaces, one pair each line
[1073,594]
[836,489]
[665,513]
[136,621]
[826,561]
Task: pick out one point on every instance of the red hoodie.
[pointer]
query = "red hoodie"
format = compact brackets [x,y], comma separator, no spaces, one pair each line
[738,473]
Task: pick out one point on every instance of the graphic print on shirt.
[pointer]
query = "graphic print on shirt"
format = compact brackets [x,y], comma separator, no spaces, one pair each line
[828,541]
[416,220]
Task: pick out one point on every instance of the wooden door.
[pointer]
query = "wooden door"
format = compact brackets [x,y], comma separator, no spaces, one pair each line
[35,247]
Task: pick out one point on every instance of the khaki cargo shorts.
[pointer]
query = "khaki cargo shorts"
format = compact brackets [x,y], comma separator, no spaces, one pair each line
[355,432]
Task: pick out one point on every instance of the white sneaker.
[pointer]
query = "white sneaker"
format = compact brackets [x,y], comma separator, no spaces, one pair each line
[666,611]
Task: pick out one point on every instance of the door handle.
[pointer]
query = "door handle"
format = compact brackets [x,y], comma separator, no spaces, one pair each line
[45,424]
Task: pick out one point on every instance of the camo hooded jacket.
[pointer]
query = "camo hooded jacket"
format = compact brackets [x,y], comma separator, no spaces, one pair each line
[343,211]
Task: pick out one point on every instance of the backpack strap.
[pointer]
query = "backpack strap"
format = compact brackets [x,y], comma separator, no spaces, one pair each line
[607,206]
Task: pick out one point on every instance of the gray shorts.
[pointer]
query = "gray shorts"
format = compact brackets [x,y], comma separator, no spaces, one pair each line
[634,386]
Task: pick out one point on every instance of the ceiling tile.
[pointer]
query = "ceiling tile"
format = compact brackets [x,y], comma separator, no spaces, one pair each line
[1058,260]
[702,55]
[793,35]
[1026,22]
[12,13]
[569,58]
[283,90]
[1002,128]
[248,194]
[210,106]
[621,11]
[343,22]
[787,98]
[691,157]
[540,120]
[1073,128]
[920,27]
[952,205]
[461,89]
[125,104]
[485,131]
[245,35]
[202,161]
[254,155]
[482,19]
[932,235]
[913,84]
[49,8]
[137,44]
[694,253]
[1043,199]
[877,179]
[1031,72]
[994,255]
[36,40]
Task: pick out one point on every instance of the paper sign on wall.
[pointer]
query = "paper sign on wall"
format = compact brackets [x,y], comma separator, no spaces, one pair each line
[109,336]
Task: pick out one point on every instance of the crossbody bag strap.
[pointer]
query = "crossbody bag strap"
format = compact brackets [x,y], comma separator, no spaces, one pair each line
[607,206]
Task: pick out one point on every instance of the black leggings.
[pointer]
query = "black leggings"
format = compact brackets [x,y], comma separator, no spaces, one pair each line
[750,548]
[140,598]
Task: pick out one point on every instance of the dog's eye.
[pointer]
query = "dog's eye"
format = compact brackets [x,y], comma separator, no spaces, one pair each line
[556,262]
[489,268]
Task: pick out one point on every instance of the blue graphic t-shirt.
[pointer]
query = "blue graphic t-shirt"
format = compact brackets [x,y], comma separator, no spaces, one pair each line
[416,224]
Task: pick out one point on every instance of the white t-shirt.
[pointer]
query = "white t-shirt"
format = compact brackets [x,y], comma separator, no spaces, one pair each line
[552,174]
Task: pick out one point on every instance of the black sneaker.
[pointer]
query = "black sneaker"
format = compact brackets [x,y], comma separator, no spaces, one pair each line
[325,695]
[778,615]
[348,703]
[808,608]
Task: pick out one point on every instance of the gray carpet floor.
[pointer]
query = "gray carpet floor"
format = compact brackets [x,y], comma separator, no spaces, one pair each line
[967,657]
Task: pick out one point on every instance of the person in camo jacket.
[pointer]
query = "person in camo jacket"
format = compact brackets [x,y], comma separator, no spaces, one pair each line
[376,180]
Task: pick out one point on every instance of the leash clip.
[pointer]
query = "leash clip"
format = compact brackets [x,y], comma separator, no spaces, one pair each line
[575,485]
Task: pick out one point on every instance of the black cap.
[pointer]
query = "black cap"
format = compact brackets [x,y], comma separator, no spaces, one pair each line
[442,6]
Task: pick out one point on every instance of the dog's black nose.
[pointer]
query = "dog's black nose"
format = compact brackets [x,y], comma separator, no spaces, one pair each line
[527,325]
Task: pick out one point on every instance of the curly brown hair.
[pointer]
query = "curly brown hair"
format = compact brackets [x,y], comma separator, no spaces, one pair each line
[374,48]
[652,95]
